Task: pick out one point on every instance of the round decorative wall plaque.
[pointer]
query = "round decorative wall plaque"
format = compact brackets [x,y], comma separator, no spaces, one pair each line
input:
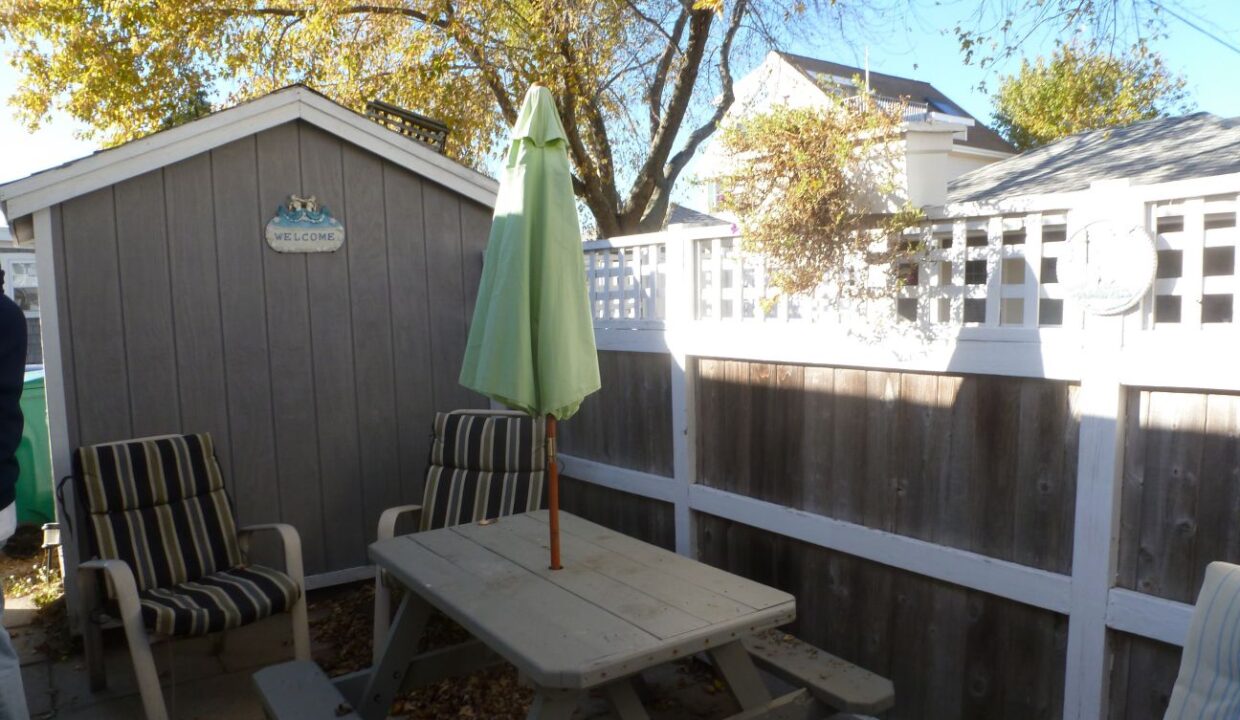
[1108,268]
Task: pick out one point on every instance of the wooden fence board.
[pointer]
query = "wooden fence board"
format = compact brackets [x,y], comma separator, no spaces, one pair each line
[628,422]
[1181,492]
[1142,676]
[848,467]
[816,433]
[951,653]
[949,459]
[639,517]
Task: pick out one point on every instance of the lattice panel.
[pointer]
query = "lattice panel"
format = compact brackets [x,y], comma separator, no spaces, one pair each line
[1197,285]
[627,283]
[969,272]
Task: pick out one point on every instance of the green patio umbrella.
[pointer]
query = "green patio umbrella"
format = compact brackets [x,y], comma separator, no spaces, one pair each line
[531,344]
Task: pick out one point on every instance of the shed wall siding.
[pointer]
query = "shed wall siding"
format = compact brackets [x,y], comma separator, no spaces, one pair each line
[318,375]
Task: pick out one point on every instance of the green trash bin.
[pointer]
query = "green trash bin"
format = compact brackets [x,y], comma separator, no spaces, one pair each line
[35,494]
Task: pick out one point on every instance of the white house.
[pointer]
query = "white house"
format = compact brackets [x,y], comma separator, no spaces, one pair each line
[21,284]
[942,141]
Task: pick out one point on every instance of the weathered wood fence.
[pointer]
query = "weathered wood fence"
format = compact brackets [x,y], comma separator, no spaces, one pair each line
[1007,507]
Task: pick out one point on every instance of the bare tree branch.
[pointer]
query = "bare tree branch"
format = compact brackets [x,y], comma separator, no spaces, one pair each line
[650,173]
[654,95]
[678,162]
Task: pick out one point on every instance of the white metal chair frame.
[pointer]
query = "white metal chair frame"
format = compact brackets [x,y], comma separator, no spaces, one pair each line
[130,610]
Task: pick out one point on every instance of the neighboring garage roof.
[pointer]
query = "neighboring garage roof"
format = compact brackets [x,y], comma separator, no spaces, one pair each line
[1154,151]
[979,136]
[680,215]
[296,102]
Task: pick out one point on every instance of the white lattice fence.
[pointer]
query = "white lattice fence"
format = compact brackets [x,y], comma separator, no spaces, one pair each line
[627,281]
[973,272]
[1197,285]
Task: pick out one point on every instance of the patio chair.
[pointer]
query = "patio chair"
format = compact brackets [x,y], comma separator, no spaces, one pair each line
[161,532]
[483,464]
[1208,684]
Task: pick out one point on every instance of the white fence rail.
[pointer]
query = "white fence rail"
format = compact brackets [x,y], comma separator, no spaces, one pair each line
[983,297]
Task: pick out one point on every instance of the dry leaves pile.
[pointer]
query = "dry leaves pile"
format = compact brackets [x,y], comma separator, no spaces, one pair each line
[340,626]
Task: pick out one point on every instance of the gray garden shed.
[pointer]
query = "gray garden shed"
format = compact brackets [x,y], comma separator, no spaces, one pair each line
[167,309]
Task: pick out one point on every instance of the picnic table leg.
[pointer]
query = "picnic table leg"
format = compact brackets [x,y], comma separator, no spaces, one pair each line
[402,645]
[553,704]
[625,702]
[741,675]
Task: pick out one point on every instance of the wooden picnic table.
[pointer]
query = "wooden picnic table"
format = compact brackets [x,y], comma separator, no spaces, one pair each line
[619,606]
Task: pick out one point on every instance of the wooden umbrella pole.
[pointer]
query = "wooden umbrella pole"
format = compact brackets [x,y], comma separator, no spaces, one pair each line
[553,494]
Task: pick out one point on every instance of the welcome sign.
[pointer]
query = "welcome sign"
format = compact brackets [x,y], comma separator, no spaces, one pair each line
[304,226]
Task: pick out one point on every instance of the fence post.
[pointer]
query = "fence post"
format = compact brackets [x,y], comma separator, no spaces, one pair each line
[1099,482]
[681,286]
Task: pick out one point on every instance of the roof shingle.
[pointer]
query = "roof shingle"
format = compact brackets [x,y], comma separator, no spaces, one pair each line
[979,136]
[1153,151]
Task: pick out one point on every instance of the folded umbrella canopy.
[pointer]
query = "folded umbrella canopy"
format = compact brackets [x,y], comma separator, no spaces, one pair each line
[531,344]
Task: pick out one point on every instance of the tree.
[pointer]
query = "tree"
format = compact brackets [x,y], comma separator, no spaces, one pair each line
[1079,89]
[634,80]
[641,84]
[813,190]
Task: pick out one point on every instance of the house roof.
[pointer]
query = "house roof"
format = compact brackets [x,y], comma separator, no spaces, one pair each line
[295,102]
[684,216]
[979,136]
[1153,151]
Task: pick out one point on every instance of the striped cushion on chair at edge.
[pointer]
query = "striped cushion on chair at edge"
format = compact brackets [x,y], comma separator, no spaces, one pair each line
[483,465]
[1208,685]
[159,505]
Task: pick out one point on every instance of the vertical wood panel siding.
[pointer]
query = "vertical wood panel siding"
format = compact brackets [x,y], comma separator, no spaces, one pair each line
[951,652]
[243,318]
[318,374]
[633,515]
[982,463]
[1142,675]
[409,295]
[1181,493]
[628,423]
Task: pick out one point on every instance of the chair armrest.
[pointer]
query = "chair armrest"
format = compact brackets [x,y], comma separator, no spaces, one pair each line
[121,575]
[292,547]
[387,521]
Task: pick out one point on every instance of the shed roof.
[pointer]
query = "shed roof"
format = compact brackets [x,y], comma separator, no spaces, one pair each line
[979,136]
[295,102]
[1149,152]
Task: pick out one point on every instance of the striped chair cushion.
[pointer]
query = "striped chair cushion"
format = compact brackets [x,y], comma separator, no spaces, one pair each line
[1208,685]
[454,497]
[488,441]
[220,601]
[482,466]
[159,505]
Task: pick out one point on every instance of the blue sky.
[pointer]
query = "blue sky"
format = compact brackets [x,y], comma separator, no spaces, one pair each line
[917,47]
[914,46]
